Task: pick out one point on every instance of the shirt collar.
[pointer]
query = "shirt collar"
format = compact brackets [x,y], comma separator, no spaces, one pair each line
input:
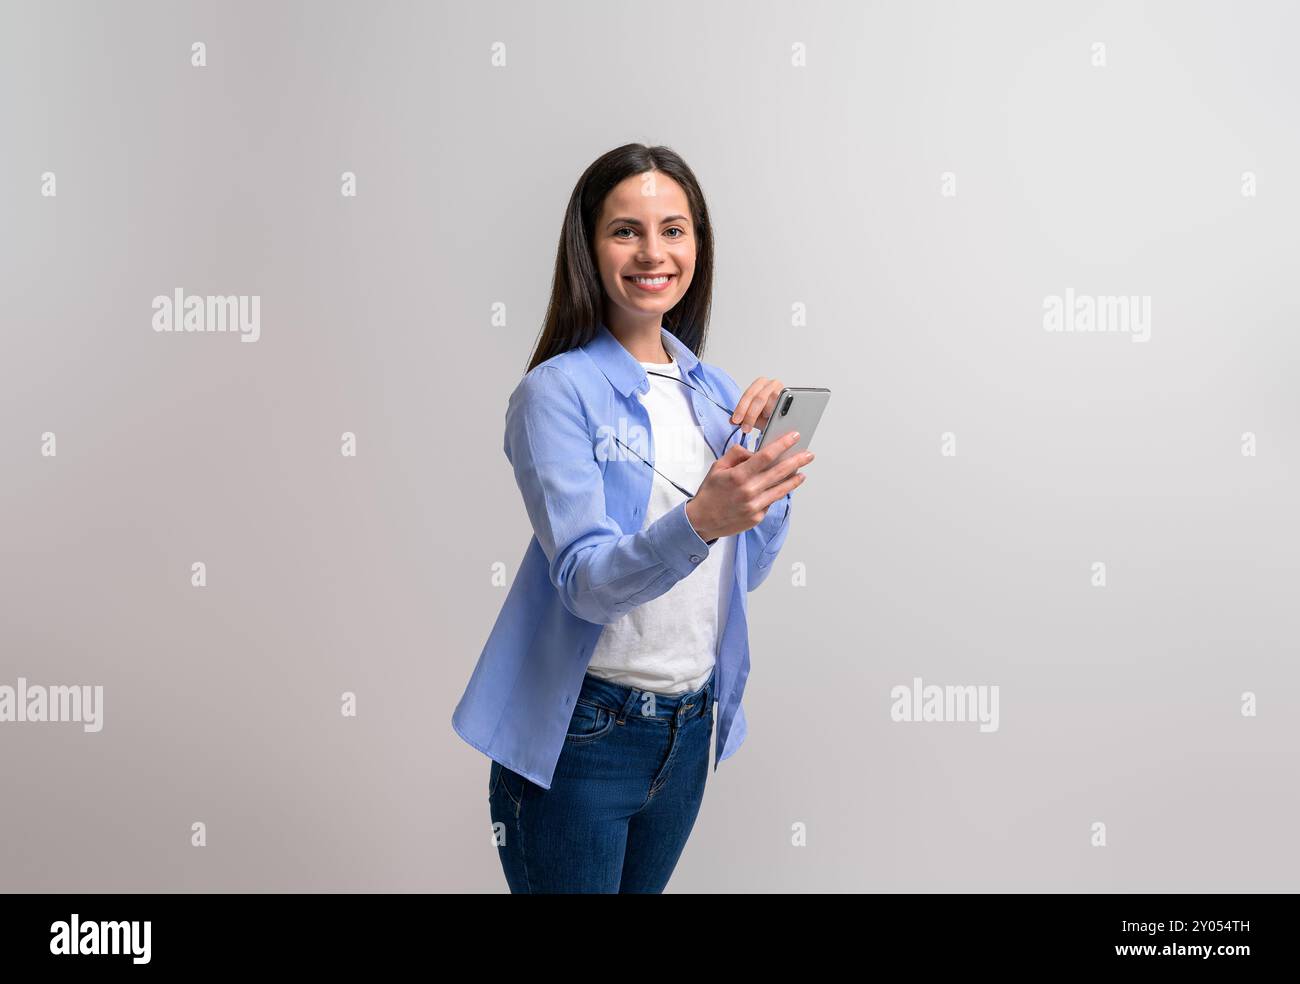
[623,371]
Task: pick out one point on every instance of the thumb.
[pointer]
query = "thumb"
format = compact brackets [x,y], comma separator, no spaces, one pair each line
[734,455]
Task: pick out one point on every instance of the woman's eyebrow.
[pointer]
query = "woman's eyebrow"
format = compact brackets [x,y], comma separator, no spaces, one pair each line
[628,220]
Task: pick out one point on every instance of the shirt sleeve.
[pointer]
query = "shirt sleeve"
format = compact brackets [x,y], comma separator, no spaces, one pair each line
[600,572]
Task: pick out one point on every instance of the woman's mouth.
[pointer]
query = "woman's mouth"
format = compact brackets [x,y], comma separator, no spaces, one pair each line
[653,284]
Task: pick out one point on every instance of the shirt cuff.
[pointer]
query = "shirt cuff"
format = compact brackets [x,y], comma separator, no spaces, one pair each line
[675,542]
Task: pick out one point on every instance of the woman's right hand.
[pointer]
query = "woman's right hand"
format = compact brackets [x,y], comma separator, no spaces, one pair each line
[740,485]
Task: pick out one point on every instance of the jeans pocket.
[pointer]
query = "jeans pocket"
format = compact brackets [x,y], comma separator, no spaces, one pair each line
[494,777]
[589,722]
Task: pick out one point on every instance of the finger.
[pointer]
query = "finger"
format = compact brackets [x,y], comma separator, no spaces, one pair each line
[777,491]
[750,394]
[758,406]
[734,455]
[769,405]
[760,461]
[783,468]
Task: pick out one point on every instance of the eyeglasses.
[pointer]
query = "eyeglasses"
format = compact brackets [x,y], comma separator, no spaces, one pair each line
[689,495]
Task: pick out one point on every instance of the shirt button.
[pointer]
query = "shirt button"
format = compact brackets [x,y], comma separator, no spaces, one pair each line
[695,558]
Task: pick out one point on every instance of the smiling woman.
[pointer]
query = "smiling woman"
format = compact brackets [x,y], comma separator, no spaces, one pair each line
[625,627]
[638,215]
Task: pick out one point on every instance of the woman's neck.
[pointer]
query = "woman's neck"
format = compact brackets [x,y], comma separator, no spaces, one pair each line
[644,342]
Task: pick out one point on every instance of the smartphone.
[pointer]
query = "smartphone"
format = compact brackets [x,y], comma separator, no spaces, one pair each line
[798,408]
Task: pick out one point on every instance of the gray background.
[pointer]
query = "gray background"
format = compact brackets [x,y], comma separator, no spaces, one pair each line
[329,574]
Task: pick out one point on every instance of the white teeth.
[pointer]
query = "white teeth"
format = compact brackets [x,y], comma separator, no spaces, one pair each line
[647,280]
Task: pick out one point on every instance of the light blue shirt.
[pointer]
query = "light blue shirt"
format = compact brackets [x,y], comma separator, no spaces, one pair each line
[589,561]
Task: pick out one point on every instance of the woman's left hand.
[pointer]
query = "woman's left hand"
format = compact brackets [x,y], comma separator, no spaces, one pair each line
[756,404]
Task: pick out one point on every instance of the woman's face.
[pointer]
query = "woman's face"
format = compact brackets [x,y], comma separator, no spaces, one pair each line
[644,229]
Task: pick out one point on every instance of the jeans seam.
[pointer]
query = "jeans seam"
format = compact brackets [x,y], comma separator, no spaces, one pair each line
[667,768]
[505,786]
[519,834]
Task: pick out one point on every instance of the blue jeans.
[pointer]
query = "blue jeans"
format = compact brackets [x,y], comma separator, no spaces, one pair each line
[625,794]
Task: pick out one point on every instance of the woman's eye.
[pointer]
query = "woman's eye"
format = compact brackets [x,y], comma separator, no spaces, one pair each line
[630,229]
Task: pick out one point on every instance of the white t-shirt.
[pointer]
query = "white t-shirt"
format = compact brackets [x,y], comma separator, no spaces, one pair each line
[669,644]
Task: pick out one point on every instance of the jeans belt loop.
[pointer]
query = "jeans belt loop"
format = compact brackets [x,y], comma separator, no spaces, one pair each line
[627,705]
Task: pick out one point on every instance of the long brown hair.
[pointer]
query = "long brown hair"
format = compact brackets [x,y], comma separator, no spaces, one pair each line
[577,294]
